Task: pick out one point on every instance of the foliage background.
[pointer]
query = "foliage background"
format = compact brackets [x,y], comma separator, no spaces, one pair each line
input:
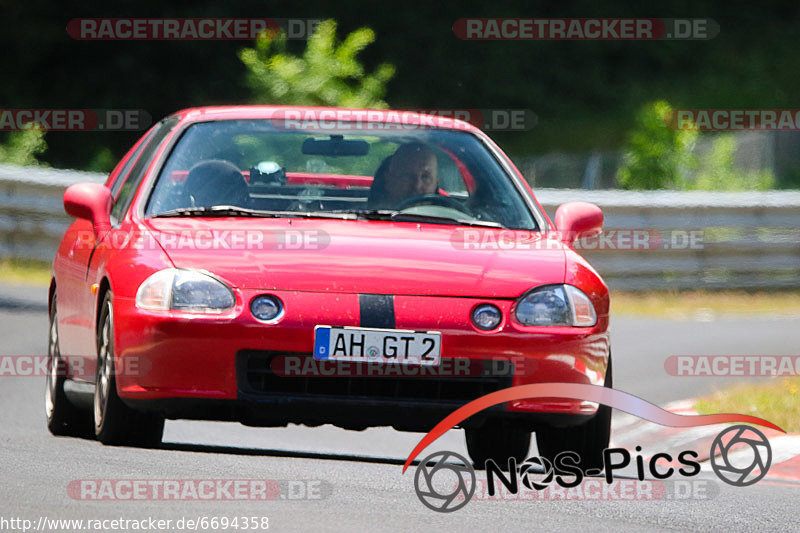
[585,94]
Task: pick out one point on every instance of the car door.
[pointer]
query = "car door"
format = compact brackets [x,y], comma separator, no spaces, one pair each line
[119,224]
[75,299]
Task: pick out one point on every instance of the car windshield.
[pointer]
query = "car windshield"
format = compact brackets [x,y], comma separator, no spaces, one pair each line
[385,172]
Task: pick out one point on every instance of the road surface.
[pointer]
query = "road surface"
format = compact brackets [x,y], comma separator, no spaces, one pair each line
[336,480]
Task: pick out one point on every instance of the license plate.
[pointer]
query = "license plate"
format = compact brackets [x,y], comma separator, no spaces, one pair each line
[397,346]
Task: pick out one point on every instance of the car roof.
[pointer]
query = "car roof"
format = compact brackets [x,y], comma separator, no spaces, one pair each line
[318,113]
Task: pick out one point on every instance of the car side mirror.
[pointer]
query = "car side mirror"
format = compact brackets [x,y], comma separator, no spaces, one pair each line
[90,201]
[577,220]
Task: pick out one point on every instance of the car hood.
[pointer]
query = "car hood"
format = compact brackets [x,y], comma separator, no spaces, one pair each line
[359,256]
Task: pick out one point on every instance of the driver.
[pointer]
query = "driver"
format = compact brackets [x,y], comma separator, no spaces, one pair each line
[412,171]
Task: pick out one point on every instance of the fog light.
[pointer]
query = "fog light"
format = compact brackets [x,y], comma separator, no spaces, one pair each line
[266,307]
[486,317]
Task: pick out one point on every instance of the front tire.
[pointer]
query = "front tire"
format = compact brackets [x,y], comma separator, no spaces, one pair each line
[115,423]
[497,440]
[588,440]
[63,418]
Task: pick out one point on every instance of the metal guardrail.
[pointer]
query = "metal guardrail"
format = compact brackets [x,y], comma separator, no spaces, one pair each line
[749,239]
[32,217]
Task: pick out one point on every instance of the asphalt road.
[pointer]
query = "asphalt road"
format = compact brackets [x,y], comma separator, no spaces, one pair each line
[355,477]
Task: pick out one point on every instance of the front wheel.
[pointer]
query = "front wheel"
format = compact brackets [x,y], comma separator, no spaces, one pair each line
[63,418]
[114,422]
[498,441]
[587,440]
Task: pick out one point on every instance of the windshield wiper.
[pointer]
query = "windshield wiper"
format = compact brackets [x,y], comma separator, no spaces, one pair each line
[368,214]
[399,216]
[431,219]
[233,211]
[212,211]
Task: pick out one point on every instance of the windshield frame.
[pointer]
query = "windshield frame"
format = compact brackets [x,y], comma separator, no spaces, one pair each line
[170,143]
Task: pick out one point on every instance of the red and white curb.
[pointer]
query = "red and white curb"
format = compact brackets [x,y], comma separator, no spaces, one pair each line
[629,431]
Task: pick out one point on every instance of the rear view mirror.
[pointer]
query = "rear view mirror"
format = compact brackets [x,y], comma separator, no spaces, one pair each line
[268,172]
[578,220]
[336,145]
[90,201]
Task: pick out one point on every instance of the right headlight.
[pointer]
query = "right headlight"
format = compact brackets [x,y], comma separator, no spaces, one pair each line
[184,290]
[556,305]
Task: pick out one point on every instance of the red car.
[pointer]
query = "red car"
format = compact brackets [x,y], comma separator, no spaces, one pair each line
[275,265]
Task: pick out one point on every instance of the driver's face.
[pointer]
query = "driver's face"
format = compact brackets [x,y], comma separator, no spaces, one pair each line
[411,174]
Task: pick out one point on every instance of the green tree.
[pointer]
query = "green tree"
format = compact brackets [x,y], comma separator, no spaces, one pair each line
[717,171]
[103,161]
[327,74]
[22,147]
[656,156]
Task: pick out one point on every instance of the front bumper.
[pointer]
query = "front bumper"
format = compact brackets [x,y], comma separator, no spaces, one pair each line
[192,364]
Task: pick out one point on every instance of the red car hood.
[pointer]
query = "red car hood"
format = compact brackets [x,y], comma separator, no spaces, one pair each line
[355,256]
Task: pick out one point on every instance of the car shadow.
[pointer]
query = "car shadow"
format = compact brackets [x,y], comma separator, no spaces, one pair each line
[15,304]
[232,450]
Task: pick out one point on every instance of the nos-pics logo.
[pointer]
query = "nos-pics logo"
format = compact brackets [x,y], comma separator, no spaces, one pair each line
[445,481]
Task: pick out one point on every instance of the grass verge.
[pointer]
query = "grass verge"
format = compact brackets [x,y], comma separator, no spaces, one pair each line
[24,272]
[777,401]
[705,305]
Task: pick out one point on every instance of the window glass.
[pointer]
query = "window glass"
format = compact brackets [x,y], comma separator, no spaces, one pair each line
[255,165]
[125,170]
[140,166]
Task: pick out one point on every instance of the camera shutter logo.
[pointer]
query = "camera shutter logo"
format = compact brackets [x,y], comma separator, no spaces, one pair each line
[530,466]
[723,456]
[451,499]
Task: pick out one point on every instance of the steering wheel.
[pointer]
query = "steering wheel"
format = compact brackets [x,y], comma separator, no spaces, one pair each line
[433,199]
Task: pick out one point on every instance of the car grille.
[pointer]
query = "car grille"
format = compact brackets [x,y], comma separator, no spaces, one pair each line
[255,374]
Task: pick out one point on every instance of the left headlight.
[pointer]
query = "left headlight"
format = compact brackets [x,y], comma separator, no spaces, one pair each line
[556,305]
[184,290]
